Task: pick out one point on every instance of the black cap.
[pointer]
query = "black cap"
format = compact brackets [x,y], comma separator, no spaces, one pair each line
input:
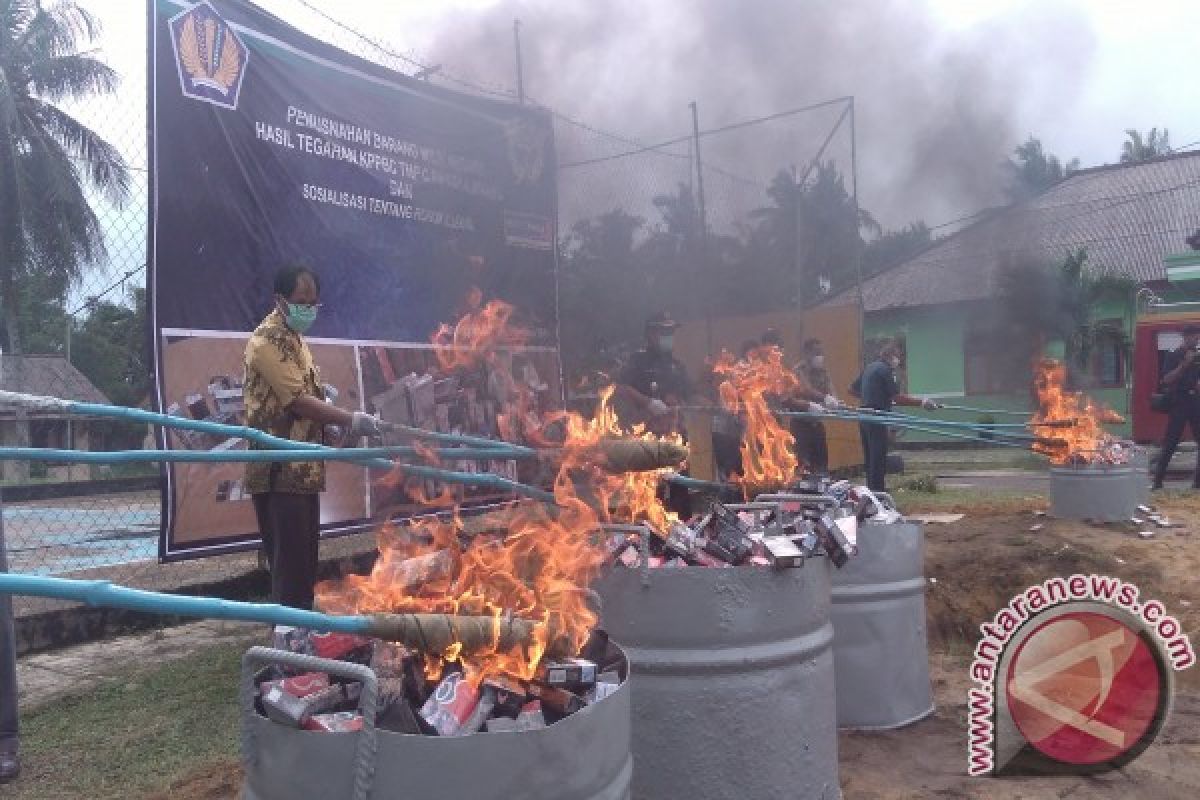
[661,321]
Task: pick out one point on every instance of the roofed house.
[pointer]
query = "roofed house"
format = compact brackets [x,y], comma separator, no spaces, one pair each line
[52,376]
[1131,219]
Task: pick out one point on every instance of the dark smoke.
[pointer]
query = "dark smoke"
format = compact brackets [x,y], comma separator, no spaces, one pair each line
[938,110]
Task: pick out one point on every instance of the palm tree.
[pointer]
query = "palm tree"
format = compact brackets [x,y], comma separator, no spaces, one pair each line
[1137,148]
[48,159]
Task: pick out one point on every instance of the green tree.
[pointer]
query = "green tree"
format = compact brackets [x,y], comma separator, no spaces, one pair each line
[1033,170]
[1041,305]
[894,247]
[47,157]
[109,346]
[811,231]
[1140,148]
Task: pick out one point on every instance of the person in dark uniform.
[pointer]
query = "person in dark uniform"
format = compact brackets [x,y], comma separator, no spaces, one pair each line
[1181,383]
[653,382]
[811,444]
[651,388]
[878,390]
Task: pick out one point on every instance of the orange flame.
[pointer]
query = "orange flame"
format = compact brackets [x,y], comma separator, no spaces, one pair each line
[1069,424]
[768,449]
[477,335]
[540,566]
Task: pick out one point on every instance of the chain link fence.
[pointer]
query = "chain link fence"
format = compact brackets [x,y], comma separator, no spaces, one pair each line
[667,225]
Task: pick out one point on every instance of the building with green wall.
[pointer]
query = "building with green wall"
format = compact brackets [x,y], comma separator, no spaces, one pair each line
[1131,219]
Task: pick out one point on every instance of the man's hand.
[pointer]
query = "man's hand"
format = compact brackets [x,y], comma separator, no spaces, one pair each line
[363,424]
[832,402]
[816,408]
[657,407]
[929,404]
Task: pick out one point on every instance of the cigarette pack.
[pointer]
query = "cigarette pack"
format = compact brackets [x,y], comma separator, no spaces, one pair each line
[288,709]
[782,552]
[629,556]
[292,640]
[569,673]
[833,541]
[529,718]
[339,722]
[305,684]
[510,696]
[341,646]
[456,708]
[606,684]
[558,701]
[680,540]
[726,537]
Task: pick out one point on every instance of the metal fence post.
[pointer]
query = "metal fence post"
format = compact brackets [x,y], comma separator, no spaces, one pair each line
[8,657]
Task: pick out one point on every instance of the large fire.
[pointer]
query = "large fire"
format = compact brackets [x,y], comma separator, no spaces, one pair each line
[768,448]
[1070,425]
[533,562]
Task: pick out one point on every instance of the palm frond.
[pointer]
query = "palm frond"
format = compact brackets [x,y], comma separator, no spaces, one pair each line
[15,17]
[56,31]
[71,76]
[104,165]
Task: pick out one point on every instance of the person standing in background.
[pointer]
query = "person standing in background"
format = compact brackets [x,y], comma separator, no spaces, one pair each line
[1181,384]
[879,391]
[284,398]
[812,446]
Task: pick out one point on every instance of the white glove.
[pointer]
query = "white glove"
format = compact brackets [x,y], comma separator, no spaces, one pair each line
[363,424]
[929,404]
[816,408]
[658,407]
[832,402]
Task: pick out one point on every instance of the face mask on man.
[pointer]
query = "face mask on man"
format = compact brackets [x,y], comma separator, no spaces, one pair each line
[894,362]
[666,344]
[300,317]
[818,361]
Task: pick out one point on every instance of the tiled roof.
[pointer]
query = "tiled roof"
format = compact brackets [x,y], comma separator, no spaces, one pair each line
[1127,217]
[47,375]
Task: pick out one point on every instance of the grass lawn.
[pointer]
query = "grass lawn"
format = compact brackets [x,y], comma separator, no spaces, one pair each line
[127,739]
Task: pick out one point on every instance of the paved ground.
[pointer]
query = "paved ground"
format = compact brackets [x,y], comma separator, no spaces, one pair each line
[45,677]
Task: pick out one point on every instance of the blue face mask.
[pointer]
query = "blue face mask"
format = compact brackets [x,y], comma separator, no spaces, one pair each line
[666,344]
[300,317]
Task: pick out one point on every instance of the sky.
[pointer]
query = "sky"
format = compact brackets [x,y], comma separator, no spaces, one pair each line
[944,88]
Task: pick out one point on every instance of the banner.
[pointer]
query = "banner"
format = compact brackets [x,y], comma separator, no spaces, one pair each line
[267,148]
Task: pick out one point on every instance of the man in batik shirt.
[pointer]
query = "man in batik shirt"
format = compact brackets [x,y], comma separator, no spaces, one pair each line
[284,398]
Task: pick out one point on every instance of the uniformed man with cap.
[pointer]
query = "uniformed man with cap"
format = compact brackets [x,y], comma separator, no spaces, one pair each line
[653,383]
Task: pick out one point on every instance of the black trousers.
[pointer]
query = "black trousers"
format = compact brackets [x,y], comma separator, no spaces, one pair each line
[290,525]
[8,661]
[1185,412]
[811,445]
[875,446]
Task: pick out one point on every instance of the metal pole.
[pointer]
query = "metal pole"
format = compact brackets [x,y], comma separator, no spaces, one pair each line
[70,320]
[703,214]
[862,316]
[520,68]
[8,658]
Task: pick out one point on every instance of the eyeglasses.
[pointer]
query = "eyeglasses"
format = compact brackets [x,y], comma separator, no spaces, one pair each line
[314,306]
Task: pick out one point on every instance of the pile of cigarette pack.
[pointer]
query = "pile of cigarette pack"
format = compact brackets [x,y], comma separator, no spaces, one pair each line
[446,704]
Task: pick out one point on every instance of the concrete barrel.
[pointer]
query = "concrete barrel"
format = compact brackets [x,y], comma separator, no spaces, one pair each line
[732,679]
[880,651]
[1100,492]
[585,756]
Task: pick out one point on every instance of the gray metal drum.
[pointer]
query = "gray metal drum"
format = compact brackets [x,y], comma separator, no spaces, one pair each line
[880,650]
[1101,492]
[1139,462]
[586,755]
[732,678]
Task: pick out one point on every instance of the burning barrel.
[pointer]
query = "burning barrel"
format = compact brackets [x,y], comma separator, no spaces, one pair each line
[880,652]
[732,679]
[1100,491]
[583,755]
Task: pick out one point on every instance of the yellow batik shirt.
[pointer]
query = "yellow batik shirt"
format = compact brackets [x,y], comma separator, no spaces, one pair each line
[280,368]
